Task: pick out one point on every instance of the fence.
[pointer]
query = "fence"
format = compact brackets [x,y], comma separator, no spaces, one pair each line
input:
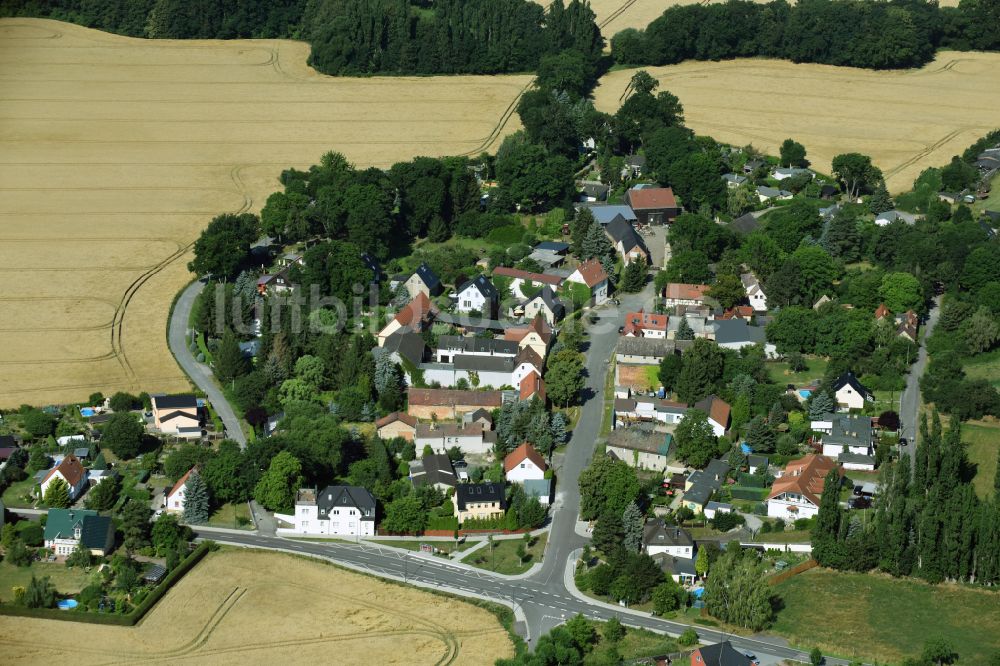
[794,571]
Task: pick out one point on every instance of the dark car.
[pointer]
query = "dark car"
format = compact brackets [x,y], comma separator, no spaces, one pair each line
[859,503]
[902,441]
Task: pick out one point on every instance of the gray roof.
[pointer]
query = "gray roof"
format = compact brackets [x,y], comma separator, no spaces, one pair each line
[756,460]
[624,233]
[637,439]
[349,496]
[734,178]
[658,533]
[175,401]
[82,452]
[635,160]
[483,285]
[553,246]
[428,276]
[772,192]
[606,214]
[850,429]
[548,296]
[745,224]
[432,470]
[538,488]
[408,344]
[94,533]
[471,344]
[484,363]
[480,492]
[731,331]
[706,481]
[723,654]
[675,565]
[651,347]
[861,458]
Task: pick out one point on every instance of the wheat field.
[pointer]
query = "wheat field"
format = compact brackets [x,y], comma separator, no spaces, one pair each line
[115,152]
[253,607]
[906,120]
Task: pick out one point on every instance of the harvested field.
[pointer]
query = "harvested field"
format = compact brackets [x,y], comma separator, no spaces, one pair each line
[907,121]
[255,607]
[115,153]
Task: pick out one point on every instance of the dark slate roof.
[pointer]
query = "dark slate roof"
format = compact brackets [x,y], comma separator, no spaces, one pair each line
[95,531]
[431,470]
[652,347]
[848,457]
[8,441]
[428,276]
[755,460]
[745,224]
[483,285]
[470,344]
[349,496]
[175,401]
[484,363]
[675,565]
[549,296]
[409,344]
[480,492]
[728,331]
[849,378]
[723,654]
[624,233]
[658,533]
[636,160]
[553,246]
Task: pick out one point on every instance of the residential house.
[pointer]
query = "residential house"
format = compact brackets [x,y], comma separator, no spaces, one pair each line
[531,387]
[797,490]
[406,348]
[648,410]
[634,166]
[882,312]
[540,488]
[744,312]
[658,537]
[737,334]
[745,224]
[605,215]
[480,416]
[520,279]
[477,295]
[537,336]
[274,283]
[679,293]
[397,424]
[289,259]
[647,350]
[733,180]
[680,569]
[416,316]
[176,415]
[849,393]
[480,500]
[546,304]
[524,463]
[429,403]
[752,165]
[71,471]
[591,191]
[451,346]
[66,529]
[755,292]
[758,463]
[335,511]
[591,274]
[433,470]
[784,173]
[527,362]
[472,438]
[907,325]
[720,654]
[718,413]
[422,281]
[702,484]
[627,242]
[821,301]
[643,324]
[174,498]
[713,508]
[766,194]
[848,438]
[555,247]
[856,461]
[890,216]
[640,447]
[653,205]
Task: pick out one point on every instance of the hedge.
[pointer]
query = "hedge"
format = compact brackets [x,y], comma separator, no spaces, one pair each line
[744,493]
[752,480]
[127,620]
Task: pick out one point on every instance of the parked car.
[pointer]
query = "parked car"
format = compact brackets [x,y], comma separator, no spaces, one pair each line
[753,658]
[902,441]
[859,503]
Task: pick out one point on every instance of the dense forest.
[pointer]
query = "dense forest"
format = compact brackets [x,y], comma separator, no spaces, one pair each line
[357,36]
[875,35]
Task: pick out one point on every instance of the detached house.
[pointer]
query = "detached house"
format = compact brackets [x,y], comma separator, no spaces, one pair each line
[796,492]
[336,510]
[643,324]
[472,438]
[546,304]
[653,205]
[416,316]
[480,500]
[421,281]
[397,424]
[719,654]
[71,471]
[605,215]
[640,447]
[176,415]
[477,295]
[524,463]
[755,293]
[174,499]
[627,242]
[519,278]
[679,293]
[848,439]
[658,537]
[591,274]
[65,529]
[703,483]
[849,393]
[536,336]
[718,413]
[433,470]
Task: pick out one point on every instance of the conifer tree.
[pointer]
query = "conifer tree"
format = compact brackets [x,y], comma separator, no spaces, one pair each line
[57,494]
[632,523]
[196,501]
[820,405]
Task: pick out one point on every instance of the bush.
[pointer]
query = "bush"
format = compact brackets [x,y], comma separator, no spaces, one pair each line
[805,523]
[727,521]
[31,533]
[688,638]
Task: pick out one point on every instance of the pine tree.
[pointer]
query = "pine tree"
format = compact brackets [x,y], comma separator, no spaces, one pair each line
[57,494]
[632,523]
[760,435]
[229,360]
[196,501]
[597,244]
[579,229]
[820,405]
[558,429]
[826,549]
[635,276]
[880,201]
[684,330]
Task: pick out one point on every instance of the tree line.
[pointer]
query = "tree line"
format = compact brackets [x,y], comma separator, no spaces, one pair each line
[353,37]
[872,35]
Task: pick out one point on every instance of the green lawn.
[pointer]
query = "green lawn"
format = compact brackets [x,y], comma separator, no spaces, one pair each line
[13,496]
[992,202]
[636,644]
[877,617]
[780,374]
[789,536]
[233,516]
[414,544]
[66,580]
[982,441]
[504,559]
[984,366]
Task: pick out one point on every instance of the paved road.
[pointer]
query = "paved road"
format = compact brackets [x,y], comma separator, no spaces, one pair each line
[909,401]
[178,338]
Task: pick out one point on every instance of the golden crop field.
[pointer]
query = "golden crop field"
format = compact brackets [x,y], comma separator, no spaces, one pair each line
[906,120]
[115,152]
[255,607]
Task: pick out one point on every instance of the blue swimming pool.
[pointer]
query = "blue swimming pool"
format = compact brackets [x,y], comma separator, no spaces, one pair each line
[67,604]
[805,393]
[87,411]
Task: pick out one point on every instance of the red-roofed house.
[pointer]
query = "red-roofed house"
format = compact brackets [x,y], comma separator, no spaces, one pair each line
[449,403]
[882,312]
[797,492]
[592,274]
[718,413]
[678,293]
[643,324]
[744,312]
[524,463]
[69,470]
[174,500]
[416,316]
[653,205]
[397,424]
[531,386]
[535,336]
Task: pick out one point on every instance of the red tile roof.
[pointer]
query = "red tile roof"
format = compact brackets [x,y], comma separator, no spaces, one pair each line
[435,397]
[518,455]
[688,292]
[396,416]
[180,482]
[537,325]
[592,272]
[882,312]
[636,322]
[417,310]
[738,312]
[716,408]
[805,477]
[542,278]
[652,198]
[532,385]
[71,469]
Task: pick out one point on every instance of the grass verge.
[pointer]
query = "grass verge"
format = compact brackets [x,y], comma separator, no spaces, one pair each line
[504,559]
[232,516]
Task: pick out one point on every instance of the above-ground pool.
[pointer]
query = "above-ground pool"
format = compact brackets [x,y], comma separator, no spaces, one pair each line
[87,411]
[67,604]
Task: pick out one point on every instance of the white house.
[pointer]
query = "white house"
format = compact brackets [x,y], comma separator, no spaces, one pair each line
[658,537]
[524,463]
[755,293]
[797,492]
[718,413]
[477,295]
[66,529]
[591,274]
[71,471]
[848,433]
[472,438]
[849,393]
[713,508]
[174,499]
[334,511]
